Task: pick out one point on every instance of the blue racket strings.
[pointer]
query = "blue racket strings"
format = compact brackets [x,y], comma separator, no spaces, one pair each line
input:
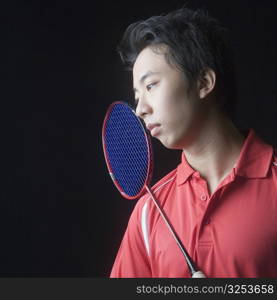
[127,150]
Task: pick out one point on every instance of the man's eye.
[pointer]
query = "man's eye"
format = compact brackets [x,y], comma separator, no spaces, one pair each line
[149,86]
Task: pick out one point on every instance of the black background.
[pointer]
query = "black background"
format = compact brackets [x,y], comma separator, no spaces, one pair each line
[60,214]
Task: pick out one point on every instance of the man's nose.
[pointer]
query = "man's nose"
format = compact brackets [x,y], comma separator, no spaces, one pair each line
[143,108]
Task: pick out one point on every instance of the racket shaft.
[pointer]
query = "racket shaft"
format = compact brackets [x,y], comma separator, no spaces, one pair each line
[175,236]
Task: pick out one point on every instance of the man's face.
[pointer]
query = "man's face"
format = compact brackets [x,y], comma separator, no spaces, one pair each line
[171,110]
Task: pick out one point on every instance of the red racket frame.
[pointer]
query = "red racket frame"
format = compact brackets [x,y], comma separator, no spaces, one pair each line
[149,150]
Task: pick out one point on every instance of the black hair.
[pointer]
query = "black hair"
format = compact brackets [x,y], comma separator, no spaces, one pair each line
[195,42]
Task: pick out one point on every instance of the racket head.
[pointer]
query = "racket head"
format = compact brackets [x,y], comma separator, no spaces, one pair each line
[127,149]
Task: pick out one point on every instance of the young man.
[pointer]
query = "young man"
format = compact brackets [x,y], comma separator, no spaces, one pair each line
[222,197]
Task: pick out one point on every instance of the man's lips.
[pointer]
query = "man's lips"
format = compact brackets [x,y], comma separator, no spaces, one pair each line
[153,128]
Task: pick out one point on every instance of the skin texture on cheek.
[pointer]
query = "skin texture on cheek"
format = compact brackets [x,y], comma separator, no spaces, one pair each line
[179,111]
[179,129]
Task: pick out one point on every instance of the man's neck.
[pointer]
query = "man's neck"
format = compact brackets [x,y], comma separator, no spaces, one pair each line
[215,150]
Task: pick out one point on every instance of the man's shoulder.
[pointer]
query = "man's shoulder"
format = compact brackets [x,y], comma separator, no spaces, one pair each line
[164,181]
[158,188]
[145,207]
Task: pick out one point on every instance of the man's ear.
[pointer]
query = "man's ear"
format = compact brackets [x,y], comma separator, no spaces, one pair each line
[206,82]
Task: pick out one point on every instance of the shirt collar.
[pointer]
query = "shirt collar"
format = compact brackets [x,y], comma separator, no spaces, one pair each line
[253,162]
[255,157]
[184,170]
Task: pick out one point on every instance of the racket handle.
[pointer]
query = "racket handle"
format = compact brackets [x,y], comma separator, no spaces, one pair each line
[198,274]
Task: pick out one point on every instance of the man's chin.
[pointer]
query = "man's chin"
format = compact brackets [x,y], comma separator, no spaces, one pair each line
[170,144]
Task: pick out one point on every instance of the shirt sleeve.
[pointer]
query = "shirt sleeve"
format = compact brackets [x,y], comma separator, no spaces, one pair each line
[132,259]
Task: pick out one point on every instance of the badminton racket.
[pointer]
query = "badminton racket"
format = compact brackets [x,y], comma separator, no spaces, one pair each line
[129,157]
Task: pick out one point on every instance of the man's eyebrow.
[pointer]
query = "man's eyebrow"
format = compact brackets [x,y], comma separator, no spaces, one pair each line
[143,77]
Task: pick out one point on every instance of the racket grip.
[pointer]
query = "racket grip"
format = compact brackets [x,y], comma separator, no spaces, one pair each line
[198,274]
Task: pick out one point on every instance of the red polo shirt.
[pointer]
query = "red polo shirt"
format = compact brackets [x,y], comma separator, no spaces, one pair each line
[231,233]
